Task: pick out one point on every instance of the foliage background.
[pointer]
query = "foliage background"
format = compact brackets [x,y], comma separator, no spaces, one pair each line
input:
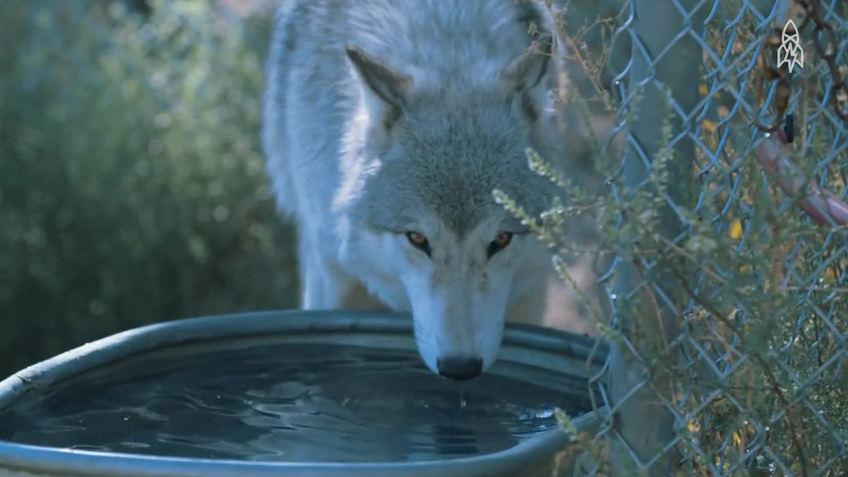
[132,185]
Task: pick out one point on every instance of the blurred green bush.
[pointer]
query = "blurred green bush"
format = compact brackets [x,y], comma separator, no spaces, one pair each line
[132,186]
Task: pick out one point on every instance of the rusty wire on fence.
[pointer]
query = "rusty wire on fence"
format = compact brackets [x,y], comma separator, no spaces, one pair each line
[728,318]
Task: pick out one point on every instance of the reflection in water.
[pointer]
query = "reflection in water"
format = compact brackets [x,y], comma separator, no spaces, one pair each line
[294,402]
[457,441]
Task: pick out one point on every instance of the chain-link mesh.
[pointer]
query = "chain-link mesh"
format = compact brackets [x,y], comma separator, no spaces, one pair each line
[724,252]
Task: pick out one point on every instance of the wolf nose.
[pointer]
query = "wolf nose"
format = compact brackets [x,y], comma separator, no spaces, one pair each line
[459,368]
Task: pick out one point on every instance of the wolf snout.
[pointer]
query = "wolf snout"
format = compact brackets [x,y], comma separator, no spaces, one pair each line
[460,368]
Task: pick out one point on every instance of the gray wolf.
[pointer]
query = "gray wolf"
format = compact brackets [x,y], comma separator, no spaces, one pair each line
[387,124]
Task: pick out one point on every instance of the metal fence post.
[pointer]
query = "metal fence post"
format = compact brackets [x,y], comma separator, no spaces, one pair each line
[665,55]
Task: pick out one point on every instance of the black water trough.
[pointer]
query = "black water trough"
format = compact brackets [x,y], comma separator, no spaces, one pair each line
[293,393]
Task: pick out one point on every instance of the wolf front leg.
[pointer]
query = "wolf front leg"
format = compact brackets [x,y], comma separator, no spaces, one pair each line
[323,283]
[326,286]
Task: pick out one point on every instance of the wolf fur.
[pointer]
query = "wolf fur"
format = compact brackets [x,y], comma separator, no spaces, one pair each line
[383,117]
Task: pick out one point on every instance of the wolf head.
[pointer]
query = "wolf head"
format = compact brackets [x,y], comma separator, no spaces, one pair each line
[424,232]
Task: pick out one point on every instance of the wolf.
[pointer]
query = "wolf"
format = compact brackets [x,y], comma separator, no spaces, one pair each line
[387,124]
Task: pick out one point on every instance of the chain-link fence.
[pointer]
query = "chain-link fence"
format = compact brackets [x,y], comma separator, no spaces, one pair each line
[722,250]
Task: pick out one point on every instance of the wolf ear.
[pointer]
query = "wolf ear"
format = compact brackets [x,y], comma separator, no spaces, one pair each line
[524,75]
[388,85]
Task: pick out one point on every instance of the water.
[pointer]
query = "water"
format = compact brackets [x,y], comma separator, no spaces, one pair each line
[293,402]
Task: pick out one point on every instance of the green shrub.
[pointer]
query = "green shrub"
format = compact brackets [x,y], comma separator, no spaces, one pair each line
[132,185]
[731,302]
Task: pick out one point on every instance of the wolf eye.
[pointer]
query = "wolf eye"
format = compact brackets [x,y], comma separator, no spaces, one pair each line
[419,241]
[502,239]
